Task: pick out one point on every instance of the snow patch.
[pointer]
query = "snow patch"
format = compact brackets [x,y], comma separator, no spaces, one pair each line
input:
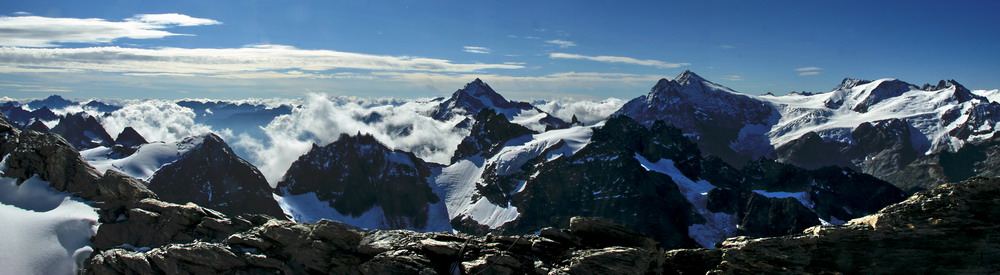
[46,231]
[717,226]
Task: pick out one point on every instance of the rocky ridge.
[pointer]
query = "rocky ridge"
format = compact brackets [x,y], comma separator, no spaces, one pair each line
[355,174]
[211,174]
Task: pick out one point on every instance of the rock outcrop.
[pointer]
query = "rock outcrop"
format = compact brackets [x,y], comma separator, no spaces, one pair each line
[358,174]
[589,246]
[82,131]
[212,175]
[951,229]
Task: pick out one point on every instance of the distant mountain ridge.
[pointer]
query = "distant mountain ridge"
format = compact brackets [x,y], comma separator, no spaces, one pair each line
[477,95]
[879,127]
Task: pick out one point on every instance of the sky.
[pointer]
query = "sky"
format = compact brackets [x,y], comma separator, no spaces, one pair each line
[525,49]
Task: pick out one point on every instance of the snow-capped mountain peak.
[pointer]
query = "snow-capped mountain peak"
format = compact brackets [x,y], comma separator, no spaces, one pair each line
[478,95]
[687,77]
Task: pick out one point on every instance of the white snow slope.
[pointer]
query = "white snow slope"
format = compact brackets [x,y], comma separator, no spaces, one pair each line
[45,231]
[923,110]
[457,182]
[144,162]
[717,226]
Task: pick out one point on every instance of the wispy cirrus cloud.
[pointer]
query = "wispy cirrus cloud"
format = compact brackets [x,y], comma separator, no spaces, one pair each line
[476,49]
[38,31]
[733,77]
[619,59]
[168,19]
[561,43]
[259,61]
[809,71]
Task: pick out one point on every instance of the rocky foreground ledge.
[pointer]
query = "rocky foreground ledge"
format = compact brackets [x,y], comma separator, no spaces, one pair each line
[949,229]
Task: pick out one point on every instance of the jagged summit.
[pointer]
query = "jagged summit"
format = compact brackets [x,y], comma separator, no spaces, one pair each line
[83,131]
[208,173]
[478,95]
[687,77]
[359,180]
[129,137]
[848,83]
[712,113]
[53,102]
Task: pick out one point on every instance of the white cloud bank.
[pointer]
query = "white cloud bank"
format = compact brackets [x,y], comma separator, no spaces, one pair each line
[38,31]
[257,60]
[321,120]
[586,111]
[619,59]
[155,120]
[168,19]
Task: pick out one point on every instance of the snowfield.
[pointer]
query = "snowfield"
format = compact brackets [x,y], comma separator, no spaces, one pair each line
[923,110]
[717,226]
[457,182]
[47,231]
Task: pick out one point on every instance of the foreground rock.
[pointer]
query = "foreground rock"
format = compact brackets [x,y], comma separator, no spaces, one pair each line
[331,247]
[950,229]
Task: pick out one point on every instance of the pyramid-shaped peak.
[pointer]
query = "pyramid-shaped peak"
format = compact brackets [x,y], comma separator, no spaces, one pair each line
[687,77]
[130,137]
[477,87]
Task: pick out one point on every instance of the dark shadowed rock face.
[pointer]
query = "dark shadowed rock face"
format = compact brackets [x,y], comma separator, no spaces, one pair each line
[130,138]
[951,229]
[608,179]
[17,115]
[357,173]
[51,102]
[127,143]
[712,112]
[210,174]
[604,179]
[37,125]
[82,131]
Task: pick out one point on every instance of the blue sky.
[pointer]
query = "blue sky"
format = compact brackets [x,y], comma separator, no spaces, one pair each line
[525,49]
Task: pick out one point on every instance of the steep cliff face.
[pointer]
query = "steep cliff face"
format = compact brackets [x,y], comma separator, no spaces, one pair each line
[210,174]
[951,229]
[361,178]
[652,179]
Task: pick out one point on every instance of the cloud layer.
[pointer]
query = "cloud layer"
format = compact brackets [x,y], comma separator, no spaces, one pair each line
[475,49]
[619,59]
[586,111]
[321,120]
[561,43]
[155,120]
[262,61]
[809,71]
[38,31]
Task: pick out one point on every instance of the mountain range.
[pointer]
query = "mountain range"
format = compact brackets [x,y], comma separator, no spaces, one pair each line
[691,164]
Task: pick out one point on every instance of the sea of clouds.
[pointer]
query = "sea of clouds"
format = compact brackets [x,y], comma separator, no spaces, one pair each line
[320,119]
